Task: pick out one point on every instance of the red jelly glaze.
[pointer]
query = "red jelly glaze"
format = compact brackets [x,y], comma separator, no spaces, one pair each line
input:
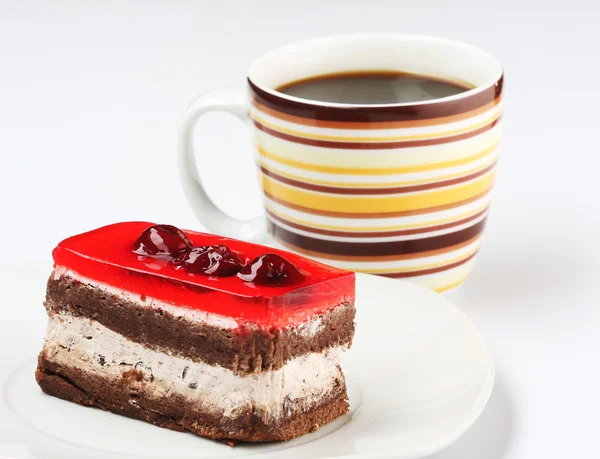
[105,255]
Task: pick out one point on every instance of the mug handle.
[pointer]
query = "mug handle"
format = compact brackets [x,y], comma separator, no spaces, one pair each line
[211,217]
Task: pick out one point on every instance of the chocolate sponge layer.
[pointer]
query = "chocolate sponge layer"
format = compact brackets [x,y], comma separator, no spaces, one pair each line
[243,350]
[131,396]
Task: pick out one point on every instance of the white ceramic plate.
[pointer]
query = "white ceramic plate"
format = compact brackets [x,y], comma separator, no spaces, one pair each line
[419,375]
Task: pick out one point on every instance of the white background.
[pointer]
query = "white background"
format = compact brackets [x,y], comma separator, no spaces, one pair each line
[91,94]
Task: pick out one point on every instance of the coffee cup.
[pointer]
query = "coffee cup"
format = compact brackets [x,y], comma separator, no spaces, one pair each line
[396,187]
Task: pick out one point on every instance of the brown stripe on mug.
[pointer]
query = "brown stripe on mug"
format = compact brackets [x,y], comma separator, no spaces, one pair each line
[374,191]
[377,113]
[375,249]
[402,213]
[368,234]
[408,256]
[376,145]
[424,272]
[374,126]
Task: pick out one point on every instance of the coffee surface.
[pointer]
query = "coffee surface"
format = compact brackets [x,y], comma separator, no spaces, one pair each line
[372,88]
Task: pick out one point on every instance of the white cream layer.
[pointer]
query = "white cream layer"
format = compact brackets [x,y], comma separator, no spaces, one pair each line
[89,346]
[306,328]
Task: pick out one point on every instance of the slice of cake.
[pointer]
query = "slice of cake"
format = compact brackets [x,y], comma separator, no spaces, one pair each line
[196,332]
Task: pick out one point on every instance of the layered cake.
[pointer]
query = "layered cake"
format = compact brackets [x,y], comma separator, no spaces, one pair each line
[196,332]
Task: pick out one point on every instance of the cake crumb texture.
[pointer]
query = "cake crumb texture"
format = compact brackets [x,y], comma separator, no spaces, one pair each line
[176,413]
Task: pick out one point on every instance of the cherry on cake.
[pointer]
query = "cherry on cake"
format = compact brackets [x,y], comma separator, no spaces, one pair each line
[197,332]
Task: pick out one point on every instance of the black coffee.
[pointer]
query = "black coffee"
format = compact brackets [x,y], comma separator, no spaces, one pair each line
[372,88]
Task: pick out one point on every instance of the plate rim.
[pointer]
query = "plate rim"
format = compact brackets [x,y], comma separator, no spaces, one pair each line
[484,394]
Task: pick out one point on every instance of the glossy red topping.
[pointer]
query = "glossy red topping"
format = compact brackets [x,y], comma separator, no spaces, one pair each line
[161,241]
[105,255]
[271,269]
[213,260]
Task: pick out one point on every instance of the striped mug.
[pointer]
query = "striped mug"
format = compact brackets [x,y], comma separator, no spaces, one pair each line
[401,190]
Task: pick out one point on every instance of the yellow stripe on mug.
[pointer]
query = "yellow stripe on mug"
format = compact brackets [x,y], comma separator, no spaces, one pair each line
[377,204]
